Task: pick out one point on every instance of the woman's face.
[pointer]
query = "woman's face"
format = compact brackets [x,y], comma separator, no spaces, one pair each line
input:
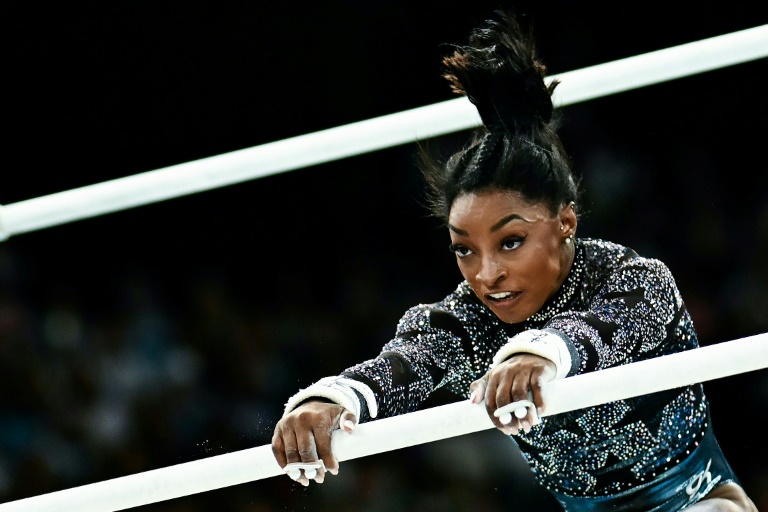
[512,253]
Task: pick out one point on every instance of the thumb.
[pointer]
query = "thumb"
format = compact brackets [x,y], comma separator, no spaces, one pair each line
[347,421]
[477,390]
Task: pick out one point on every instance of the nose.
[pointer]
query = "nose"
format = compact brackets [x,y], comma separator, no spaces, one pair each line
[491,272]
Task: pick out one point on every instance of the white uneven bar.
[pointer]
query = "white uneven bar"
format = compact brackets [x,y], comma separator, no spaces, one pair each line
[635,379]
[370,135]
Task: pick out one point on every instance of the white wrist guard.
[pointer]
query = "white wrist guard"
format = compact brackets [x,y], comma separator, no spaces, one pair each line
[339,390]
[539,343]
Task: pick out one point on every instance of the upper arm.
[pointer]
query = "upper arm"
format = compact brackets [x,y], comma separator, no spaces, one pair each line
[427,352]
[629,314]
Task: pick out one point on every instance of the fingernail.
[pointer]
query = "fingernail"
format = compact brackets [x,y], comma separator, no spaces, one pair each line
[349,424]
[334,471]
[472,397]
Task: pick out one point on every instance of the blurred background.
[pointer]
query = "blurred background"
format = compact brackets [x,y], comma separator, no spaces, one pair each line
[176,331]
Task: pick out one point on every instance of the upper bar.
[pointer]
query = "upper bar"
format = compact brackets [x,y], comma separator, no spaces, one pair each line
[369,135]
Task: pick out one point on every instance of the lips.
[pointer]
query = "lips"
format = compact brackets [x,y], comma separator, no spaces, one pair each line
[498,297]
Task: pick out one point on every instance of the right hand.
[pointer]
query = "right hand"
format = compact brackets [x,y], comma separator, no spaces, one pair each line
[304,435]
[518,378]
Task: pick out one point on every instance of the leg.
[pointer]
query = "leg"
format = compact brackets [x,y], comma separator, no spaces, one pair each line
[725,498]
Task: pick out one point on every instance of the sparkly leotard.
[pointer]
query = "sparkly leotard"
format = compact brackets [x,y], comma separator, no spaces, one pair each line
[614,307]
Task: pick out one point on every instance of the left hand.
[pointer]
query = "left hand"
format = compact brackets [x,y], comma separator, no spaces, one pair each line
[518,378]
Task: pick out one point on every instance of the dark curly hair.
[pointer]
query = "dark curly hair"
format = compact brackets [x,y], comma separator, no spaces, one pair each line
[517,148]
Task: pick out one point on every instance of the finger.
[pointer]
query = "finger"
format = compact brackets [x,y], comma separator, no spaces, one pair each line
[307,469]
[525,415]
[521,414]
[278,447]
[347,421]
[535,417]
[500,398]
[511,416]
[490,392]
[521,390]
[518,409]
[291,448]
[520,387]
[506,418]
[325,452]
[536,395]
[292,456]
[509,424]
[503,391]
[477,391]
[528,416]
[316,473]
[294,474]
[307,451]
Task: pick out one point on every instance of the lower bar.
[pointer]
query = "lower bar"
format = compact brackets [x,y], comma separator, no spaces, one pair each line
[621,382]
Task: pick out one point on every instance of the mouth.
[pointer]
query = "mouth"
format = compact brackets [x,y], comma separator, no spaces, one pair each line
[502,297]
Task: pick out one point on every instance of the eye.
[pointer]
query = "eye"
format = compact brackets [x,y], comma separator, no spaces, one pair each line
[510,244]
[460,250]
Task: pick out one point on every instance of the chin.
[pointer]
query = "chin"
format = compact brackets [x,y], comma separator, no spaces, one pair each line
[515,320]
[508,317]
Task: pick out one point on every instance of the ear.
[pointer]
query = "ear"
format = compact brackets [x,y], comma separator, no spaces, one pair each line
[568,220]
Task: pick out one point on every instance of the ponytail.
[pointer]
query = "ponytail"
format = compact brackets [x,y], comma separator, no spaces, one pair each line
[517,148]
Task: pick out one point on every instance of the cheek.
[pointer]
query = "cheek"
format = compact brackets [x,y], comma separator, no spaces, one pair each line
[466,270]
[543,270]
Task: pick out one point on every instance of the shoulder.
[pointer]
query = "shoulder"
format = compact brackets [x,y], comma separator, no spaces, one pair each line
[610,256]
[614,269]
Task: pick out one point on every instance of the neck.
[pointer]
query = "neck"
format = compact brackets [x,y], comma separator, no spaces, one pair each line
[569,256]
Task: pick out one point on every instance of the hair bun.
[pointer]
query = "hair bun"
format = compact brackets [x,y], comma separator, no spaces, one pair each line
[501,75]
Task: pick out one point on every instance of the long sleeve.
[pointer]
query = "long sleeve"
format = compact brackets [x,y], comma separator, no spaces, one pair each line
[446,344]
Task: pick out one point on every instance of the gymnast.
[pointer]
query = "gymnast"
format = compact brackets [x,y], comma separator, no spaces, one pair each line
[536,304]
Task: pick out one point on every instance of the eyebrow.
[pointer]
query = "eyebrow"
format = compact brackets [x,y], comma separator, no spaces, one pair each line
[495,227]
[458,231]
[505,220]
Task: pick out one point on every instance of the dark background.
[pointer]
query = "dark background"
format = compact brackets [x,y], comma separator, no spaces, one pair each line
[176,331]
